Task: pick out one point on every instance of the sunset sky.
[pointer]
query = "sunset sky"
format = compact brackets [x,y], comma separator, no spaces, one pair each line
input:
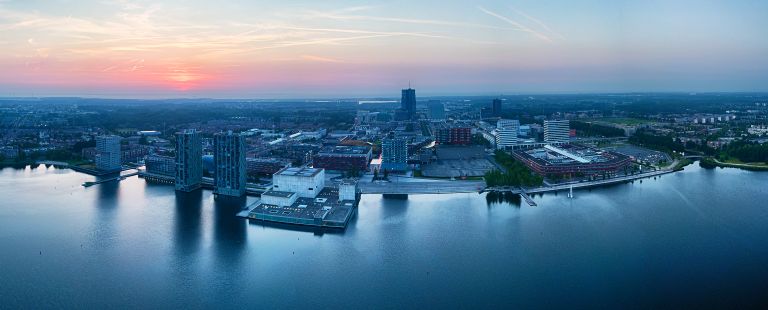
[295,49]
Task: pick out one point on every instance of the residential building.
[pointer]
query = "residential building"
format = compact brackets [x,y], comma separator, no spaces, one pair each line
[108,153]
[189,160]
[160,165]
[453,134]
[394,153]
[229,161]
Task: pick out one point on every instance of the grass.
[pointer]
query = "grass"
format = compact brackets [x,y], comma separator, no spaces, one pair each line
[738,162]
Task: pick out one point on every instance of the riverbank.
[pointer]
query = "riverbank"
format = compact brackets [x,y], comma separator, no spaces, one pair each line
[713,162]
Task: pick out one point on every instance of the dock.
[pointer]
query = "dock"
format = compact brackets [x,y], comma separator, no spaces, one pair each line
[527,198]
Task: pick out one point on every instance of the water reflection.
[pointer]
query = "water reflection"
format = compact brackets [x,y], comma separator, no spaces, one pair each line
[229,231]
[493,198]
[188,222]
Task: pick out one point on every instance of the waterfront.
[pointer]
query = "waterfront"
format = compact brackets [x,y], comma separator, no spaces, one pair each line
[692,237]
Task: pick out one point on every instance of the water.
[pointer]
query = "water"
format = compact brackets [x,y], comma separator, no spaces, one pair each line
[697,237]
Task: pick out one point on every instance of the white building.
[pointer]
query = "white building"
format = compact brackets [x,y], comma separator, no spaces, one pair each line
[557,131]
[506,133]
[189,160]
[306,182]
[229,161]
[348,190]
[108,153]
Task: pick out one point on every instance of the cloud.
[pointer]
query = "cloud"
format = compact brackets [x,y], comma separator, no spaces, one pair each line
[320,59]
[516,24]
[538,22]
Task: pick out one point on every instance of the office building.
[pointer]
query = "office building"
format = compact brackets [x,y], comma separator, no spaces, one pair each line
[108,153]
[496,107]
[506,133]
[229,162]
[394,153]
[436,110]
[408,102]
[556,131]
[189,160]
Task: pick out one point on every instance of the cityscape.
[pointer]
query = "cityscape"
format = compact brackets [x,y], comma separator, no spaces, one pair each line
[188,177]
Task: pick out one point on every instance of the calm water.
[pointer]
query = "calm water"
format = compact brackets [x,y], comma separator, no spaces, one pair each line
[694,237]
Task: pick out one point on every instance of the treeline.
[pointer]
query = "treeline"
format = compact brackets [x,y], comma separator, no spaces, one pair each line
[746,152]
[517,173]
[659,143]
[596,130]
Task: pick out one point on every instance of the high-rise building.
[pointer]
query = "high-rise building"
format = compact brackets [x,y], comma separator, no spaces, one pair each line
[108,153]
[557,131]
[189,160]
[496,107]
[408,102]
[394,153]
[436,110]
[229,159]
[506,133]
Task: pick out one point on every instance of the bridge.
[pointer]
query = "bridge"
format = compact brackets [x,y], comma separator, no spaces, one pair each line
[426,187]
[115,178]
[567,186]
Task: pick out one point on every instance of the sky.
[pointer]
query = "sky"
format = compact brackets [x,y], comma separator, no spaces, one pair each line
[342,49]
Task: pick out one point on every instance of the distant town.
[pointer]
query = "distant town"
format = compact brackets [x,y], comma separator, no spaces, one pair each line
[309,160]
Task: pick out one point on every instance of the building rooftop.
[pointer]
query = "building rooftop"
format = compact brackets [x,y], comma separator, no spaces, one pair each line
[324,210]
[299,171]
[346,149]
[281,194]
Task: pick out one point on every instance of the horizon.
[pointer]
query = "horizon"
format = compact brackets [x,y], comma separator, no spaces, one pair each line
[168,49]
[396,98]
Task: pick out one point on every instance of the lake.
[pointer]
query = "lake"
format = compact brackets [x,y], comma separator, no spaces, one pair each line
[693,238]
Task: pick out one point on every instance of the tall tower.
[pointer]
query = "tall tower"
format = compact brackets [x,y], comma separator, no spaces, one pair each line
[496,107]
[229,159]
[189,160]
[408,102]
[108,153]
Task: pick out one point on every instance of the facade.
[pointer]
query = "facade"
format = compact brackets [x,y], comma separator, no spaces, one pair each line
[161,165]
[229,161]
[267,166]
[189,160]
[557,131]
[343,158]
[394,153]
[408,102]
[506,133]
[453,134]
[496,107]
[305,182]
[436,110]
[108,153]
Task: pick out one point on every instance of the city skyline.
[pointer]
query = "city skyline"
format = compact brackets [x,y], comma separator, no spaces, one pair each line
[238,49]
